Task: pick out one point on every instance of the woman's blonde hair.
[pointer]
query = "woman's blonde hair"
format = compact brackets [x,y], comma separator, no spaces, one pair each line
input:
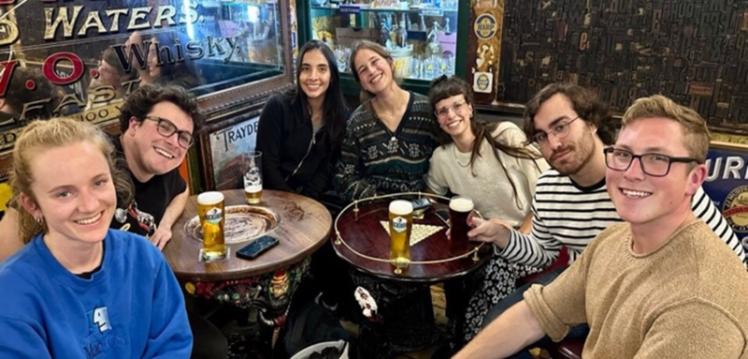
[38,136]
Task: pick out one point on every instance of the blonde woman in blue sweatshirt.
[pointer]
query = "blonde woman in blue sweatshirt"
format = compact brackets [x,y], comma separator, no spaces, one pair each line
[80,289]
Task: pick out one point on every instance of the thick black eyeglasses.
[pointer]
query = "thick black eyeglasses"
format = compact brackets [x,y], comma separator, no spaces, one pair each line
[653,164]
[560,129]
[167,128]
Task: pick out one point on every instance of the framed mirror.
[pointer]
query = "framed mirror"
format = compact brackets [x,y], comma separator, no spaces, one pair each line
[80,58]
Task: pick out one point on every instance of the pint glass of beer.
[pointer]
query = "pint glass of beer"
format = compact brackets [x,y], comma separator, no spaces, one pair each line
[459,211]
[401,223]
[253,178]
[210,208]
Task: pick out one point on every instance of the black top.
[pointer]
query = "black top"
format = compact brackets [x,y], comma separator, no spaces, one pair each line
[151,198]
[291,161]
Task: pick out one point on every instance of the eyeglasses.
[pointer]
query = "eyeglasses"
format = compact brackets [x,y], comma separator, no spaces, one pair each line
[653,164]
[559,129]
[456,107]
[167,128]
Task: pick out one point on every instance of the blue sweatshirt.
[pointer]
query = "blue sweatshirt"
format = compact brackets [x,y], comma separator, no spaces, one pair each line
[131,307]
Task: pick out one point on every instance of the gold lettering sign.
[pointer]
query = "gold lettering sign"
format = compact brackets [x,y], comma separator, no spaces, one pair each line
[8,32]
[107,21]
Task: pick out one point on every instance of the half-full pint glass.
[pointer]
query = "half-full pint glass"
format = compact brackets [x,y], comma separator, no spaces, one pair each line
[459,211]
[210,208]
[253,178]
[401,223]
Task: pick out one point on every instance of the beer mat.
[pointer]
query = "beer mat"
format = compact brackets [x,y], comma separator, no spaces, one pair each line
[204,257]
[418,233]
[243,223]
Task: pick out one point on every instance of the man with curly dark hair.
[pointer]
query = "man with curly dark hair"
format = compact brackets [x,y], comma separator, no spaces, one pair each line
[157,126]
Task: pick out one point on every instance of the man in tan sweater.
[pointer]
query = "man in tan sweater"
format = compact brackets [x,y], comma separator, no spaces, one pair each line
[660,285]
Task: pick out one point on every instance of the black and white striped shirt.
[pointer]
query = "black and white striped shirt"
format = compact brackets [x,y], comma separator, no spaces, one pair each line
[567,214]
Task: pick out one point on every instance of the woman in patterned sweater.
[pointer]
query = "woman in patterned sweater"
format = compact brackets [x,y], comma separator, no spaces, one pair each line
[386,149]
[390,136]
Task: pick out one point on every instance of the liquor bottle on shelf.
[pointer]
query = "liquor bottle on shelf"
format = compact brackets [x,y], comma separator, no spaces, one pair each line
[415,67]
[450,59]
[392,42]
[402,34]
[433,38]
[384,28]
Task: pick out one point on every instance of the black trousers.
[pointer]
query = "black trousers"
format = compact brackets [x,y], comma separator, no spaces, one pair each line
[208,340]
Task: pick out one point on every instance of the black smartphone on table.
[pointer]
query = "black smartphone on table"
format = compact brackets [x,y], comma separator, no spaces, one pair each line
[420,204]
[257,247]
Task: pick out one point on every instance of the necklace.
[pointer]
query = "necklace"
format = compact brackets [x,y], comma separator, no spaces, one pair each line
[457,154]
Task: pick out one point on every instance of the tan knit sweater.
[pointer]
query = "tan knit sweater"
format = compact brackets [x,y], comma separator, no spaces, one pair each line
[688,299]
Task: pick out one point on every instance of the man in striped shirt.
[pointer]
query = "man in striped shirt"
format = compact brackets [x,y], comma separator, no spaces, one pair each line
[571,204]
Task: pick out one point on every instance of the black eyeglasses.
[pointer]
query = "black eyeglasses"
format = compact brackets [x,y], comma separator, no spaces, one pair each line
[167,128]
[653,164]
[559,129]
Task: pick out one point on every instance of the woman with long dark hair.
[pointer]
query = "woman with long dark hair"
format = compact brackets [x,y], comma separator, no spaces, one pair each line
[299,136]
[492,165]
[300,131]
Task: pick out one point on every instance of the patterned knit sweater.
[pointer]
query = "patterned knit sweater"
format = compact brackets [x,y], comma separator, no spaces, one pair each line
[375,160]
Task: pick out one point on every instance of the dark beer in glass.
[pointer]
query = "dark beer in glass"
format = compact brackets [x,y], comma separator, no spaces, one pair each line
[459,211]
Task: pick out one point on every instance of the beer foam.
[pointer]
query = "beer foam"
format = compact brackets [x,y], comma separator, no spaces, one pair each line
[461,204]
[253,188]
[401,207]
[212,197]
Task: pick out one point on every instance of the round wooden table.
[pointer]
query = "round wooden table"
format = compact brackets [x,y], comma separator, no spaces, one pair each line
[301,224]
[363,242]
